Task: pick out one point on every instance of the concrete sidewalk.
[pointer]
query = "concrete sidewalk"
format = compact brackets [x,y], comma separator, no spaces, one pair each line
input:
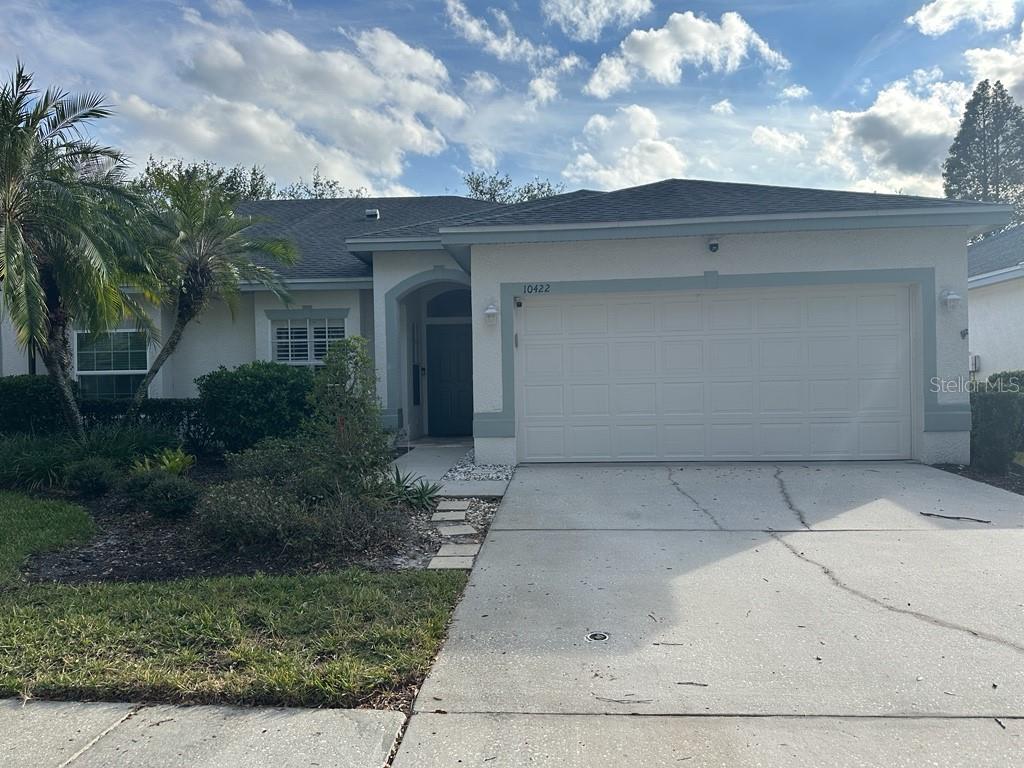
[99,735]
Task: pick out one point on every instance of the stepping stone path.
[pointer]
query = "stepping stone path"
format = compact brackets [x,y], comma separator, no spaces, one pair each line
[450,519]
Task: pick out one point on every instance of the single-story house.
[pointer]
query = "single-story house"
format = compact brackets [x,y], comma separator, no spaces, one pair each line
[675,321]
[995,266]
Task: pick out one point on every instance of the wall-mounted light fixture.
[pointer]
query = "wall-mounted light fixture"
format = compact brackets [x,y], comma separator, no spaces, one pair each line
[950,299]
[713,244]
[491,314]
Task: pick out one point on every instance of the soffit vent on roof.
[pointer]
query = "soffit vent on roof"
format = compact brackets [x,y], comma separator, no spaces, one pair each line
[373,213]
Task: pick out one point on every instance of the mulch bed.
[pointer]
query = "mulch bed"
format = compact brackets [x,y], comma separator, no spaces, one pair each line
[1013,481]
[137,547]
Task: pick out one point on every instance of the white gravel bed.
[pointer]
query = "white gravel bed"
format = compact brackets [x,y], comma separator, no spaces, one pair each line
[467,470]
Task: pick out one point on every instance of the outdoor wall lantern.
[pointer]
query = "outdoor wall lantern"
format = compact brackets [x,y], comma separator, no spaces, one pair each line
[491,314]
[950,299]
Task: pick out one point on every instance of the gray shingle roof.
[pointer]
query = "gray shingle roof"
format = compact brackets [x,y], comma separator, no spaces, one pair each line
[318,228]
[429,228]
[689,199]
[996,252]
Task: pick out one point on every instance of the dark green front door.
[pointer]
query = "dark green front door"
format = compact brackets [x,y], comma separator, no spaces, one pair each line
[450,379]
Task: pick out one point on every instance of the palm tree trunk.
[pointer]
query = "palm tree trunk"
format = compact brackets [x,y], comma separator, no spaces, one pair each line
[57,359]
[165,352]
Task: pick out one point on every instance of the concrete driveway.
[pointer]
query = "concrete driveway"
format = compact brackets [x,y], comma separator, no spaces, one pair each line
[756,615]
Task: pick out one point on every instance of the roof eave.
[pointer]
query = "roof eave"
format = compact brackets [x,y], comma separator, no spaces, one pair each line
[976,218]
[996,276]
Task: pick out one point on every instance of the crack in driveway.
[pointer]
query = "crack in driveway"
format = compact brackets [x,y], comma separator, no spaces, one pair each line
[697,504]
[789,499]
[928,619]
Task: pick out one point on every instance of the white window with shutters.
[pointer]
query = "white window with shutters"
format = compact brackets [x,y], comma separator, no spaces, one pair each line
[305,339]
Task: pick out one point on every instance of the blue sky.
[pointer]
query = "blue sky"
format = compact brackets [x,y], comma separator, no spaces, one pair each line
[403,97]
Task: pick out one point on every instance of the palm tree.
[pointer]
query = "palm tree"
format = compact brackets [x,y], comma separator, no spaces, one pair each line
[209,251]
[67,252]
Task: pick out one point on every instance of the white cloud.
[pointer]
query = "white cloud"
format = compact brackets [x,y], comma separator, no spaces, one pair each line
[543,60]
[361,110]
[779,142]
[228,8]
[686,39]
[506,46]
[624,150]
[1005,64]
[544,87]
[794,93]
[585,19]
[723,107]
[482,83]
[941,16]
[900,141]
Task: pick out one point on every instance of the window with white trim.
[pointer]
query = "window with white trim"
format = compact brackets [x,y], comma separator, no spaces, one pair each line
[305,341]
[110,365]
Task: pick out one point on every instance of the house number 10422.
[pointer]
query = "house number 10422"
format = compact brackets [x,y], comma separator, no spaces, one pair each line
[529,288]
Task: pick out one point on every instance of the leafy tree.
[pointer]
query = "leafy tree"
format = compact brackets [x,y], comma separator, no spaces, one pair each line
[238,181]
[499,188]
[986,159]
[67,245]
[319,187]
[207,252]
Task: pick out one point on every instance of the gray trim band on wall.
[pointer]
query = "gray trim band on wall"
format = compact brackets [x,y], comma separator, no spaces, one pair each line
[307,313]
[438,274]
[938,417]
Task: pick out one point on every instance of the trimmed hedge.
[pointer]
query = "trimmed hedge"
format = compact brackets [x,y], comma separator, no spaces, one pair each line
[29,404]
[995,425]
[182,416]
[253,402]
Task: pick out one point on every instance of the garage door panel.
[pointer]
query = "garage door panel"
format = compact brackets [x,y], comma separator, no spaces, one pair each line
[636,442]
[732,397]
[682,315]
[588,400]
[543,400]
[786,440]
[586,318]
[779,374]
[680,356]
[731,354]
[637,399]
[783,312]
[588,359]
[633,358]
[589,442]
[680,398]
[731,441]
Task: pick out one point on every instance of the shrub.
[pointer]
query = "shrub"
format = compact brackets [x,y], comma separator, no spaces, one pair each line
[29,404]
[182,417]
[173,461]
[345,426]
[995,421]
[255,515]
[91,477]
[254,401]
[1010,382]
[32,462]
[400,488]
[123,444]
[167,496]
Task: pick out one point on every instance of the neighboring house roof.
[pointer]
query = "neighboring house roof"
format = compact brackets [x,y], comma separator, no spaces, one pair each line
[1003,250]
[319,228]
[681,200]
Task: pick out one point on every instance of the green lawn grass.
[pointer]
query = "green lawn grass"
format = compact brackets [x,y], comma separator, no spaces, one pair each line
[350,638]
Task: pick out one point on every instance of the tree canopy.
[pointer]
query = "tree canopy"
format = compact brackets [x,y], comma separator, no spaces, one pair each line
[499,188]
[986,159]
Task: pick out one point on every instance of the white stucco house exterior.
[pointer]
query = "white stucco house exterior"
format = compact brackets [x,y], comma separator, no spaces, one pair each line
[995,285]
[676,321]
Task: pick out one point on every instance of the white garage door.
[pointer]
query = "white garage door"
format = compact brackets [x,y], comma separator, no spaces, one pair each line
[776,374]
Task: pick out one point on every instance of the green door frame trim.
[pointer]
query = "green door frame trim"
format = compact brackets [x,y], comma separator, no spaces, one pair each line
[392,415]
[938,417]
